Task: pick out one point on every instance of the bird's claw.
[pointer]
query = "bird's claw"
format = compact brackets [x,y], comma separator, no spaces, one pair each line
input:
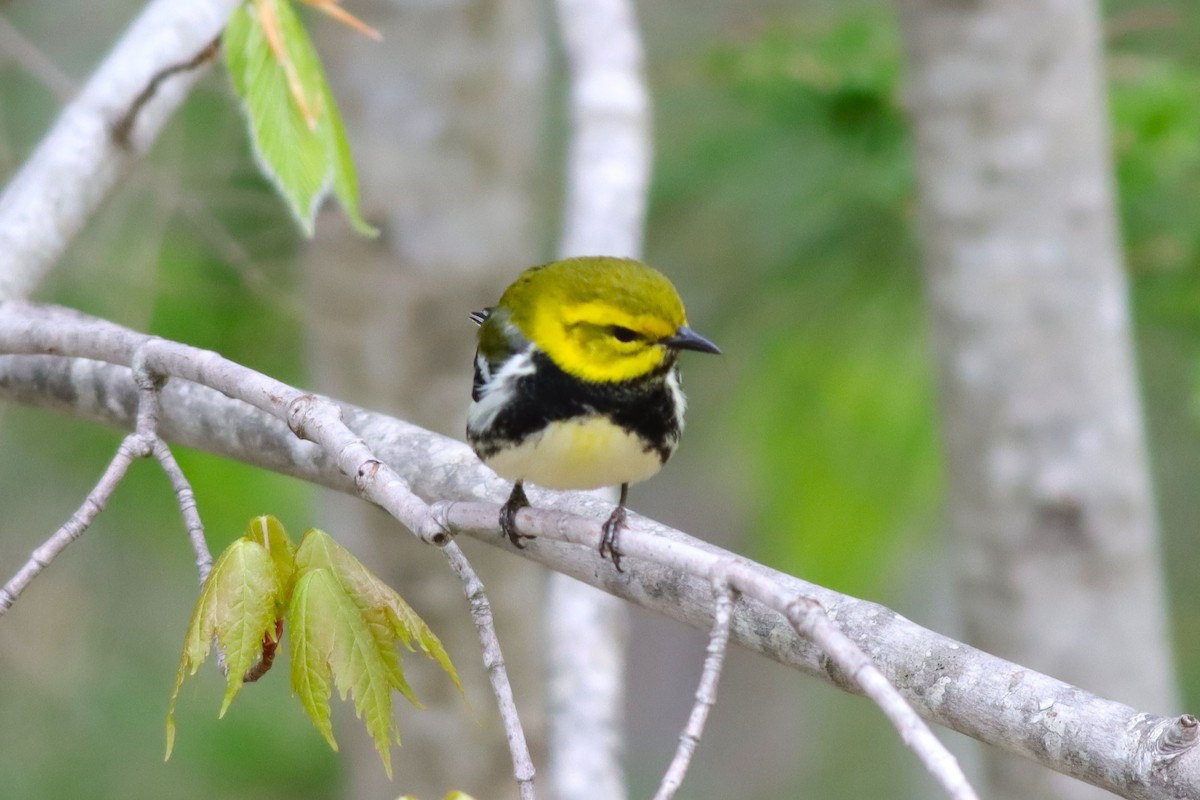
[508,516]
[609,537]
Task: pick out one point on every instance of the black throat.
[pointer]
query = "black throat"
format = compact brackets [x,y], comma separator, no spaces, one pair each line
[643,405]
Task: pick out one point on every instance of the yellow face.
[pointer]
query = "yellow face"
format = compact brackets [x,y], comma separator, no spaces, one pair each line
[601,342]
[600,319]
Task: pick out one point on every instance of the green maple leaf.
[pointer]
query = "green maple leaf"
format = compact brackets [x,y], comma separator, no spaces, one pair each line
[268,531]
[297,133]
[238,606]
[378,600]
[343,625]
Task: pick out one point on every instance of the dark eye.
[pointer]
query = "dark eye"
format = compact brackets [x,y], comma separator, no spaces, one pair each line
[622,334]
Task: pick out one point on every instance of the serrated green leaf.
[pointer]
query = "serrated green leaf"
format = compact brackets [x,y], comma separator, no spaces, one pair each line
[331,637]
[377,600]
[345,178]
[344,624]
[310,663]
[237,608]
[295,127]
[288,151]
[244,599]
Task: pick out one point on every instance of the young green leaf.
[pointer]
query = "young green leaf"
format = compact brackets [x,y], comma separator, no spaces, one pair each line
[343,626]
[330,638]
[237,607]
[269,532]
[310,659]
[295,127]
[376,598]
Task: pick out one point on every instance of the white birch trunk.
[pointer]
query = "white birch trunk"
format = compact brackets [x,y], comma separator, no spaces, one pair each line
[1050,507]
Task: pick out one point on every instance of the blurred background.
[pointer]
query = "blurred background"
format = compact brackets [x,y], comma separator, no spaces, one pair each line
[783,206]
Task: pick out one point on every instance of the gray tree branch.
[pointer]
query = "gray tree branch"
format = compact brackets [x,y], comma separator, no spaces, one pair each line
[47,330]
[1132,753]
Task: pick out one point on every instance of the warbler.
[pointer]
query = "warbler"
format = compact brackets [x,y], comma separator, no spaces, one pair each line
[576,384]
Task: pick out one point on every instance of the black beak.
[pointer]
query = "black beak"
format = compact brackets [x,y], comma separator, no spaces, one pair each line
[687,339]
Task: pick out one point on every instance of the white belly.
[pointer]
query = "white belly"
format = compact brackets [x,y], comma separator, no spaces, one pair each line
[578,454]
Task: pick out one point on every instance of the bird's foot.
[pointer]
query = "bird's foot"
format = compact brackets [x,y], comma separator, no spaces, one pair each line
[609,536]
[508,515]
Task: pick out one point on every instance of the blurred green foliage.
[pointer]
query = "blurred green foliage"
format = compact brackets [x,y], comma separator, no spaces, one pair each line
[1155,97]
[805,183]
[1156,115]
[790,169]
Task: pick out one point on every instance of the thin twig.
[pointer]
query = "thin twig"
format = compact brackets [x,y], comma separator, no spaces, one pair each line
[150,384]
[706,692]
[493,662]
[809,620]
[131,448]
[142,443]
[186,499]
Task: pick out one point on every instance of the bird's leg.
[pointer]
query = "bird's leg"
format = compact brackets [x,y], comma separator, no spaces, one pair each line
[508,514]
[608,541]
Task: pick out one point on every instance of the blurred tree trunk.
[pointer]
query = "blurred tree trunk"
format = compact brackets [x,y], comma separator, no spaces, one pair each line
[1050,506]
[608,178]
[445,119]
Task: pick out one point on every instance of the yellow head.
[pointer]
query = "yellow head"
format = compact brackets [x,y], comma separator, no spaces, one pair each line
[601,319]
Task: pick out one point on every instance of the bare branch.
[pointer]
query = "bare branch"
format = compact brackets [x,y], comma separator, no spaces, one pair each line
[806,616]
[493,662]
[1135,754]
[130,449]
[706,692]
[142,443]
[609,161]
[586,632]
[809,620]
[186,499]
[101,134]
[149,385]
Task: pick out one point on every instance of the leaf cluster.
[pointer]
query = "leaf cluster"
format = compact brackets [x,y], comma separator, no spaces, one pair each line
[342,623]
